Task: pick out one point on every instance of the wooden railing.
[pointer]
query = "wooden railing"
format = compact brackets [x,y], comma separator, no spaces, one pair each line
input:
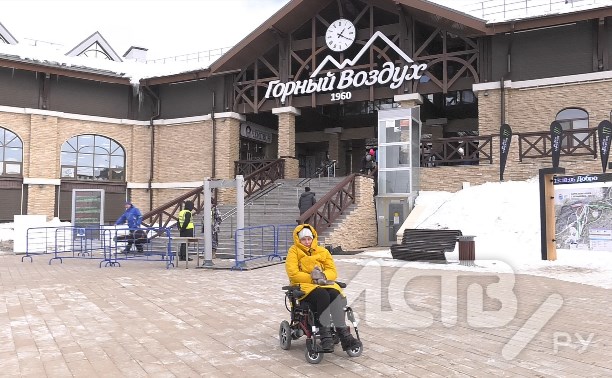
[323,213]
[246,167]
[445,151]
[577,142]
[163,215]
[264,176]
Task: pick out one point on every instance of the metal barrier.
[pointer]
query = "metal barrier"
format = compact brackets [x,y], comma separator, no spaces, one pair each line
[105,243]
[260,243]
[284,239]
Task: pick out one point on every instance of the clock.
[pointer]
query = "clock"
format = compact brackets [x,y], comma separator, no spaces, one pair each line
[340,35]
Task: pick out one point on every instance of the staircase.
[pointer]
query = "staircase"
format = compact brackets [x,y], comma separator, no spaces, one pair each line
[278,207]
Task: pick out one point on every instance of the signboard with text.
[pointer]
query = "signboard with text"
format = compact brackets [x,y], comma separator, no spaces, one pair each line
[583,213]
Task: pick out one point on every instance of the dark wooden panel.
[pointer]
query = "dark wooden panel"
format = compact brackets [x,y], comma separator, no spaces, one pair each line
[191,98]
[18,88]
[88,97]
[11,204]
[557,51]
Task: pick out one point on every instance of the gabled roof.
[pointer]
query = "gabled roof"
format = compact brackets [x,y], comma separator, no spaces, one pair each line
[91,40]
[297,12]
[6,35]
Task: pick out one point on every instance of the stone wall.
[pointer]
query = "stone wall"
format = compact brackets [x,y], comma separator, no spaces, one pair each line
[358,228]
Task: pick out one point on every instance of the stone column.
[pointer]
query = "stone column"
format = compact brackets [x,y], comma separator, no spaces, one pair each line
[409,100]
[43,174]
[227,151]
[286,139]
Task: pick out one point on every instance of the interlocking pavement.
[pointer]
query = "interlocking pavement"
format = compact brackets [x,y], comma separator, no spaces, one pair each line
[141,320]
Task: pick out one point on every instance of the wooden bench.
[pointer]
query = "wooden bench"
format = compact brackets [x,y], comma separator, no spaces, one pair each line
[425,245]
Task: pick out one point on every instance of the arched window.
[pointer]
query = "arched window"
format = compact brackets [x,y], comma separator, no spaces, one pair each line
[92,157]
[573,119]
[11,154]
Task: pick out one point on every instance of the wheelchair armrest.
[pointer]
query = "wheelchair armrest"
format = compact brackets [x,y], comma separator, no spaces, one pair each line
[341,284]
[291,287]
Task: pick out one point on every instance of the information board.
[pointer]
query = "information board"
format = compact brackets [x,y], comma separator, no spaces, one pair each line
[88,209]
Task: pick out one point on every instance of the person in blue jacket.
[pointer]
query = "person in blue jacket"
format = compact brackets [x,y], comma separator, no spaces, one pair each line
[133,218]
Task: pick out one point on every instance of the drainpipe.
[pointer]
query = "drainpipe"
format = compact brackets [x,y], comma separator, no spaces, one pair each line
[505,75]
[152,157]
[214,136]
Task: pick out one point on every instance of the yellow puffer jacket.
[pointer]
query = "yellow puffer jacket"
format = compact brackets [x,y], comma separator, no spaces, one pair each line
[301,260]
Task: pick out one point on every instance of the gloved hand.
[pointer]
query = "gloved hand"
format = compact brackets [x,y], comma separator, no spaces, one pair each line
[319,278]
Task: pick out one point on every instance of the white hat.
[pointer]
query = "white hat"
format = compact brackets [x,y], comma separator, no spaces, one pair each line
[460,150]
[305,232]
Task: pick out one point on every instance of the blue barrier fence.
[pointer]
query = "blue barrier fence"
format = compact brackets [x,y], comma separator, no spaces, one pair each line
[267,241]
[104,243]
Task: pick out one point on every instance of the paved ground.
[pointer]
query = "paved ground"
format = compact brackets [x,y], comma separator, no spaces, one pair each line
[75,319]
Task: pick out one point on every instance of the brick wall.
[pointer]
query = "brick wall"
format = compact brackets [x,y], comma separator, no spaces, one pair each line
[358,228]
[527,110]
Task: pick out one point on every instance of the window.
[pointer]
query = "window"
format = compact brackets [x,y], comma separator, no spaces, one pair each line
[92,158]
[573,119]
[11,154]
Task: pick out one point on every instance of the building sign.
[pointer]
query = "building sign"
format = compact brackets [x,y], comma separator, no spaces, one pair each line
[582,213]
[256,132]
[390,74]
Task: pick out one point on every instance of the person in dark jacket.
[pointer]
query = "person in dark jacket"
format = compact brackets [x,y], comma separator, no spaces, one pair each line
[307,199]
[133,218]
[186,227]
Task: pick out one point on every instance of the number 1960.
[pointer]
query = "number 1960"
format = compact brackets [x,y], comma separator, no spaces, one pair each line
[341,96]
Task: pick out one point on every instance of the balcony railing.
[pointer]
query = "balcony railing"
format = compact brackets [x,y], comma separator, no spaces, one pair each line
[246,167]
[445,151]
[577,142]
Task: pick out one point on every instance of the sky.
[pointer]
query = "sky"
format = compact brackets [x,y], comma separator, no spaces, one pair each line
[165,27]
[505,220]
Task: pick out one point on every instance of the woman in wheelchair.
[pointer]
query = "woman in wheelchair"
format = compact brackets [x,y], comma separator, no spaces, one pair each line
[312,267]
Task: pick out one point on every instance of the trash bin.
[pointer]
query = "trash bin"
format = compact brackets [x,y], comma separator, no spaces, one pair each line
[467,250]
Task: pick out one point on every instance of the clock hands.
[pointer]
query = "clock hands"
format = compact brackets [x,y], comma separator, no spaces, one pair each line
[343,36]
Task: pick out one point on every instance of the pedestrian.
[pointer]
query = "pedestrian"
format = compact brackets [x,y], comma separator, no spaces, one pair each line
[186,227]
[216,226]
[367,163]
[307,199]
[133,217]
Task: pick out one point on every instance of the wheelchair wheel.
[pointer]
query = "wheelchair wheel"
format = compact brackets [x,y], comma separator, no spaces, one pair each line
[284,335]
[356,351]
[313,357]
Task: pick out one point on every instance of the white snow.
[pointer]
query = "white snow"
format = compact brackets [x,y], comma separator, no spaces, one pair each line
[134,71]
[505,220]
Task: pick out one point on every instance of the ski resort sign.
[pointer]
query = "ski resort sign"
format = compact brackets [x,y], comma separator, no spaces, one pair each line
[390,74]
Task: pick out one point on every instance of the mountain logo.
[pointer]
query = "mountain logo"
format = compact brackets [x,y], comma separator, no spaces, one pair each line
[390,74]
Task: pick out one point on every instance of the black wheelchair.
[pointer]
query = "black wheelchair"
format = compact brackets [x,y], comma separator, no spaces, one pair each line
[303,323]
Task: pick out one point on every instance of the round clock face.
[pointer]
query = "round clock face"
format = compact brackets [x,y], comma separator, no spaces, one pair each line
[340,35]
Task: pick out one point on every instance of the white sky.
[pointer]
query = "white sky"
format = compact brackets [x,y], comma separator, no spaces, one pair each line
[171,27]
[507,231]
[165,27]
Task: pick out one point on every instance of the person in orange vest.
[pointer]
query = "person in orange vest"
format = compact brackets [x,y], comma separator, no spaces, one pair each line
[186,227]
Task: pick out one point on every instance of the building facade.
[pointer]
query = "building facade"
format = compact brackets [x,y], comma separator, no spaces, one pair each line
[306,87]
